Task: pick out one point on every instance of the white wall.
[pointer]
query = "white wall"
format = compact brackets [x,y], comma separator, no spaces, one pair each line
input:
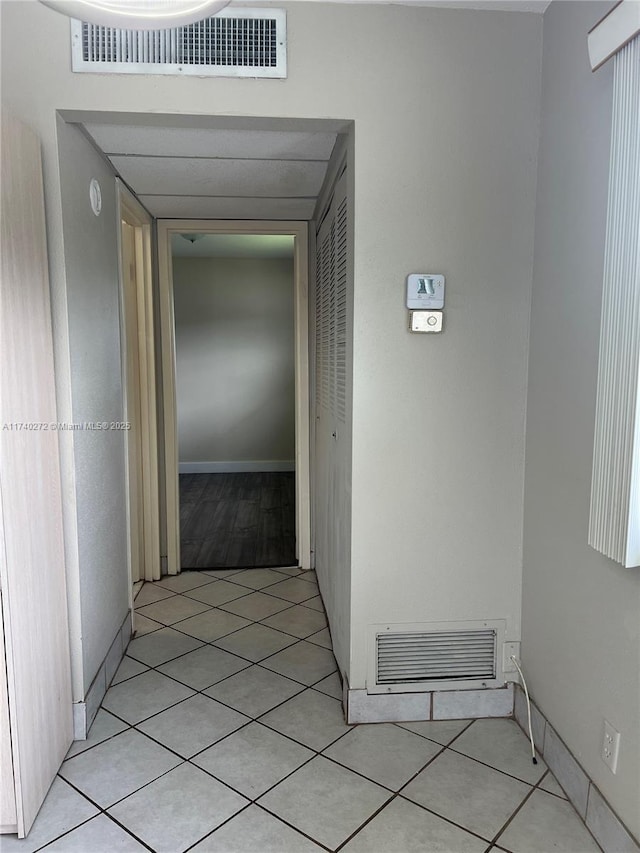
[235,359]
[93,304]
[445,182]
[445,104]
[581,611]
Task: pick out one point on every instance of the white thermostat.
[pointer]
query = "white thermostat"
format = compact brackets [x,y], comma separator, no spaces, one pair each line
[425,291]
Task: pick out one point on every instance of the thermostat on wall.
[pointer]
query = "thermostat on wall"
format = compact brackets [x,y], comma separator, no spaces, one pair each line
[425,291]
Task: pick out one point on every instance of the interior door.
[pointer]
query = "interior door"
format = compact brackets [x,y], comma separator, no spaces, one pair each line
[134,416]
[32,565]
[140,387]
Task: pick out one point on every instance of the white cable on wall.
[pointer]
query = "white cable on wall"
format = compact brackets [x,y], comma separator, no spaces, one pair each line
[526,693]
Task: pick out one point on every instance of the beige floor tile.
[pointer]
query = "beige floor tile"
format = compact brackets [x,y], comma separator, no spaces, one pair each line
[254,691]
[173,609]
[547,823]
[100,835]
[203,667]
[161,646]
[150,593]
[315,603]
[321,638]
[258,578]
[118,767]
[550,784]
[218,592]
[441,731]
[256,606]
[468,793]
[193,725]
[184,581]
[331,685]
[342,801]
[402,826]
[383,753]
[297,620]
[310,718]
[501,744]
[255,642]
[178,809]
[294,589]
[127,669]
[141,697]
[103,727]
[62,810]
[303,662]
[253,759]
[256,831]
[212,625]
[143,625]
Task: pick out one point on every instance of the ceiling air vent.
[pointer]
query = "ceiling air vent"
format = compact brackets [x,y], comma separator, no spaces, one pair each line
[441,656]
[234,43]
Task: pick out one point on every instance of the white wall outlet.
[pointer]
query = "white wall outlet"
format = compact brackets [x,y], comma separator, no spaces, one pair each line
[610,746]
[509,649]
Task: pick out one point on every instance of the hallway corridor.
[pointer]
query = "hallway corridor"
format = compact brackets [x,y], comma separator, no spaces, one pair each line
[223,731]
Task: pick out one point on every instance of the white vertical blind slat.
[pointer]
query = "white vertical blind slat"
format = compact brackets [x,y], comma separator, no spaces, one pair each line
[614,522]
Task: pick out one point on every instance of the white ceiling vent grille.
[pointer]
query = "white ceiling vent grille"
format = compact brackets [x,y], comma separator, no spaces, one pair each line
[441,656]
[234,43]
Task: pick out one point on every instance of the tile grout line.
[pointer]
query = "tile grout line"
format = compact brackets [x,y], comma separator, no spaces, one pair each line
[259,720]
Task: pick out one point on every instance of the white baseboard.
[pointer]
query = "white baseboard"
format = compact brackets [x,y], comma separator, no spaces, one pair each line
[238,467]
[363,707]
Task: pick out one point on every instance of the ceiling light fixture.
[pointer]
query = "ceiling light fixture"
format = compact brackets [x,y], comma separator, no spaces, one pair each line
[138,14]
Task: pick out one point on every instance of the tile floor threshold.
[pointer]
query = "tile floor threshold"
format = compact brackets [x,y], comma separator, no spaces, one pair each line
[223,731]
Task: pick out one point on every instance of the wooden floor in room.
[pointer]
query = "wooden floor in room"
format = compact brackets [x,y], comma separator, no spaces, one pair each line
[230,521]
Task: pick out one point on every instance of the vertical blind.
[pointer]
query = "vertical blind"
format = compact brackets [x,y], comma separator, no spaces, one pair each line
[614,521]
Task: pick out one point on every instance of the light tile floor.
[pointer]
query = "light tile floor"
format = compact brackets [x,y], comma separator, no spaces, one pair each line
[223,731]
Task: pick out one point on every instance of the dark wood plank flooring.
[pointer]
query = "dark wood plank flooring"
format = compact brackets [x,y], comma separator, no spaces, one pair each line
[230,521]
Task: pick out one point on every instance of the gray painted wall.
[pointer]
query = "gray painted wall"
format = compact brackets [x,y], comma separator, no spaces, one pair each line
[581,626]
[234,359]
[93,300]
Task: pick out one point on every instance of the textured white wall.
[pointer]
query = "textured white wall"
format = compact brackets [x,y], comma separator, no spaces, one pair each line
[234,359]
[445,105]
[93,300]
[581,611]
[445,182]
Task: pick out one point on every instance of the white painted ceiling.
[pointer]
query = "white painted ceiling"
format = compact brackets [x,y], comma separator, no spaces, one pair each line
[217,173]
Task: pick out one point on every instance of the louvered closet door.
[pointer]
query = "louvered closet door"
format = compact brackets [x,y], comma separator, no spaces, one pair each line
[331,382]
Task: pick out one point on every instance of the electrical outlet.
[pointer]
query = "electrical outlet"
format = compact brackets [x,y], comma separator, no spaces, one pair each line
[610,746]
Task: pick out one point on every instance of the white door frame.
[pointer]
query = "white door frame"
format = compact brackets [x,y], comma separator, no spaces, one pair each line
[299,230]
[145,522]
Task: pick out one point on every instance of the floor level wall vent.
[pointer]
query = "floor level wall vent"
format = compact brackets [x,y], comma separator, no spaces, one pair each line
[435,656]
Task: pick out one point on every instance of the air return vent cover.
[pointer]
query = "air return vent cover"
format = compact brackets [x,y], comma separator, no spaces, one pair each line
[435,656]
[235,43]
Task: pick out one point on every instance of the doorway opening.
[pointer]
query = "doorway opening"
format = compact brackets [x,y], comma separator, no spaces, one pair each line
[235,399]
[234,320]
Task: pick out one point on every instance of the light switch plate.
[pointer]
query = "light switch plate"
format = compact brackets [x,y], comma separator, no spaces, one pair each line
[426,321]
